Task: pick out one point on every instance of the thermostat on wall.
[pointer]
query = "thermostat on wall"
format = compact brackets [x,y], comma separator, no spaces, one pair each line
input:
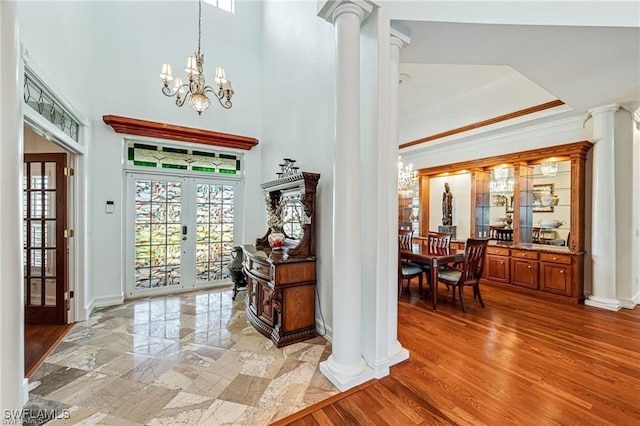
[109,207]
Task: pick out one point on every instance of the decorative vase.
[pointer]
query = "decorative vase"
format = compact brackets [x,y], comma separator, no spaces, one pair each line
[508,220]
[235,269]
[276,240]
[235,266]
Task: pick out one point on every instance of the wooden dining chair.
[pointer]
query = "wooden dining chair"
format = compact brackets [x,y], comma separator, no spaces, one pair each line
[435,241]
[469,275]
[406,269]
[535,235]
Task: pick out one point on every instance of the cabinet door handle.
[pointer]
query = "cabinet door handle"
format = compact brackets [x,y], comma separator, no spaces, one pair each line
[502,262]
[562,271]
[529,266]
[555,258]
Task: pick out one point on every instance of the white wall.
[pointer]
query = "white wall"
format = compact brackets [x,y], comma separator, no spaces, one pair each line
[298,110]
[460,186]
[106,56]
[34,143]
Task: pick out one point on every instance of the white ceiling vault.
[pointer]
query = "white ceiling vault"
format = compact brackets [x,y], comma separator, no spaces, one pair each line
[461,74]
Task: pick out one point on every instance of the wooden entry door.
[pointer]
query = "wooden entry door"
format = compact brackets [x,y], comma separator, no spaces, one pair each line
[45,245]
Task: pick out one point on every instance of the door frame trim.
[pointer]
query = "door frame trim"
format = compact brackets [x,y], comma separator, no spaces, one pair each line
[77,205]
[127,218]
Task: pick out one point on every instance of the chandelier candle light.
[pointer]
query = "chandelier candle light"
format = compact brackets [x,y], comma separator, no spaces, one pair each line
[196,89]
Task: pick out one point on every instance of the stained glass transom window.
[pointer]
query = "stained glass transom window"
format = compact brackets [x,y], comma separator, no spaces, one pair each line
[146,155]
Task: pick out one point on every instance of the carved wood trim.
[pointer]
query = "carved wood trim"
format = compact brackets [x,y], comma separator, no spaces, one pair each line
[494,120]
[137,127]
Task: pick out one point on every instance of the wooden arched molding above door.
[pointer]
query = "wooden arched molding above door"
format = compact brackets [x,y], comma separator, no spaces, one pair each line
[137,127]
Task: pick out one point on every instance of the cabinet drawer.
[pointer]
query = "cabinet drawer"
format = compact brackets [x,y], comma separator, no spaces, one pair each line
[260,269]
[524,254]
[555,258]
[498,251]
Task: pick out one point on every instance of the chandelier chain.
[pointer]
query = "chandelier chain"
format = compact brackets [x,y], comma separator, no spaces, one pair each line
[199,24]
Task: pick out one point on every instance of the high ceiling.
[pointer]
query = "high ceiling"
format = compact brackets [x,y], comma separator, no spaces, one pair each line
[461,74]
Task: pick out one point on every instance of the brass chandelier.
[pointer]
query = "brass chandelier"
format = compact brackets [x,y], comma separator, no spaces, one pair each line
[196,89]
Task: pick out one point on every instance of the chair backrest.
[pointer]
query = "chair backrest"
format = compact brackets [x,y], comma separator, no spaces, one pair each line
[535,235]
[405,226]
[474,251]
[405,239]
[438,240]
[504,234]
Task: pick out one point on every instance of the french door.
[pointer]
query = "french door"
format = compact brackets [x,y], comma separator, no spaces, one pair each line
[45,246]
[181,232]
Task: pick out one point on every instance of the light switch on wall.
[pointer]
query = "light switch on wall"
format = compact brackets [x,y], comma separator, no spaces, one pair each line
[109,207]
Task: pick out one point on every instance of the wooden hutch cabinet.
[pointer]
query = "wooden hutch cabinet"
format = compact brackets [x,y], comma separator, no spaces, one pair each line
[280,300]
[542,194]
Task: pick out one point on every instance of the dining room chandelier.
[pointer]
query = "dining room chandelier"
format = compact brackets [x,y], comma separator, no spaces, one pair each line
[196,89]
[407,177]
[549,168]
[501,183]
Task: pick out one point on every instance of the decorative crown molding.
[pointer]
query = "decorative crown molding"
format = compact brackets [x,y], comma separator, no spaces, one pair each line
[134,126]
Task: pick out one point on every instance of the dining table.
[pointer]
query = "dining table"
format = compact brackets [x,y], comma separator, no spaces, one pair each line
[434,257]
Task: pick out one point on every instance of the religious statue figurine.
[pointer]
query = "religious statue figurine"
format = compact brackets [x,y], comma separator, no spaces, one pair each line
[447,198]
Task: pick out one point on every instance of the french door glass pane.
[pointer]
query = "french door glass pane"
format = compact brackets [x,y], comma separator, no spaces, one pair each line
[157,233]
[214,230]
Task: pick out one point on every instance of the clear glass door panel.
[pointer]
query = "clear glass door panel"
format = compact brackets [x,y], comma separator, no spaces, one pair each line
[36,292]
[49,233]
[49,178]
[49,198]
[49,263]
[50,292]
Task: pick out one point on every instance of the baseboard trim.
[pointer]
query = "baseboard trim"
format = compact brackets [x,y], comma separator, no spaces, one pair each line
[103,302]
[323,330]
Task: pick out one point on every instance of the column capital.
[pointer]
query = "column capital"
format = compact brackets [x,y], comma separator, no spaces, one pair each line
[399,39]
[331,9]
[604,108]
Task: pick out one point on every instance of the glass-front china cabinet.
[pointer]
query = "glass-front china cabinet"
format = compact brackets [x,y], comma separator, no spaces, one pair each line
[531,206]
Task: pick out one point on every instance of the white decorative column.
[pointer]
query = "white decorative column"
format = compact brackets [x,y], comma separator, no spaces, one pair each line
[603,228]
[396,352]
[345,367]
[11,284]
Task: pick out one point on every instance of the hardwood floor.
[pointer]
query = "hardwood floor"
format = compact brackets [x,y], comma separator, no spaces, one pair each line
[520,361]
[39,340]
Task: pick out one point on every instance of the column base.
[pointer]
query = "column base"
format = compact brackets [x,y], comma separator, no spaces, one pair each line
[397,354]
[346,377]
[602,303]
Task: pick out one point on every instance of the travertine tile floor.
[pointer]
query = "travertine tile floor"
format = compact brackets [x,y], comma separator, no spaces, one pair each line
[186,359]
